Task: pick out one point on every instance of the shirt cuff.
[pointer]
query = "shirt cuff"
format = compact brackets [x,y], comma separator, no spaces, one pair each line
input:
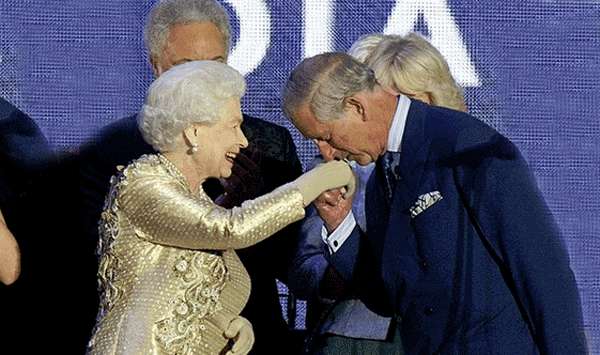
[336,239]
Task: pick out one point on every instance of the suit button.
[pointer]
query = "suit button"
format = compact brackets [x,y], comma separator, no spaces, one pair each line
[429,311]
[424,264]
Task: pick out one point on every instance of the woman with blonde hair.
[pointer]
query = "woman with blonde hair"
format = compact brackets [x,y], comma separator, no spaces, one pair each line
[411,66]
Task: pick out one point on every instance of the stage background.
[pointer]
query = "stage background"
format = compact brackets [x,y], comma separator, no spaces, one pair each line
[531,69]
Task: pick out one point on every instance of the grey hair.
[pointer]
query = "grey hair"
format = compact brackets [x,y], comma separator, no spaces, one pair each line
[324,82]
[168,13]
[411,65]
[188,93]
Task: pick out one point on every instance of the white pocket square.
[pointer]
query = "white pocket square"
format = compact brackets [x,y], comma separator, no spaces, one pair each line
[424,202]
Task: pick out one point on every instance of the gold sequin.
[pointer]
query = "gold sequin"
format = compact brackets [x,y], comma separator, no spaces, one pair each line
[167,265]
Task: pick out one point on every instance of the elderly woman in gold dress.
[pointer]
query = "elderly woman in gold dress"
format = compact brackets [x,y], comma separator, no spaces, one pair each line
[170,280]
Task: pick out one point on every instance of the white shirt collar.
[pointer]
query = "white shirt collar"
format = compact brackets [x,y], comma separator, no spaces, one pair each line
[394,142]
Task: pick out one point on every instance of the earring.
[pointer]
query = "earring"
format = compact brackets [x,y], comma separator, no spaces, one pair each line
[194,148]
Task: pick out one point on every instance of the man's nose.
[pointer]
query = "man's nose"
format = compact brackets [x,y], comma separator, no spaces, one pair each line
[327,151]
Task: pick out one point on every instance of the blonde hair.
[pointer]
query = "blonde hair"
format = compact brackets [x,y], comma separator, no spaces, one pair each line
[363,47]
[411,65]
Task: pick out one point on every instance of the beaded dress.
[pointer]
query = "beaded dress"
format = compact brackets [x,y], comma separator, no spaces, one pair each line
[167,262]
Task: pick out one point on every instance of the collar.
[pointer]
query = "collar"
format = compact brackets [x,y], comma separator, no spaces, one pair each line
[394,141]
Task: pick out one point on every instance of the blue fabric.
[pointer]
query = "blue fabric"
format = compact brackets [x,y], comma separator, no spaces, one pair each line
[25,157]
[23,147]
[434,270]
[75,66]
[345,258]
[349,317]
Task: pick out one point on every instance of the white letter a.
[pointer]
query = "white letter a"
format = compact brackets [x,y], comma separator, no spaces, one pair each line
[445,35]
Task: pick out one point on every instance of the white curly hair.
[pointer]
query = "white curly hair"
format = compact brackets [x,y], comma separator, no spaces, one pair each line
[188,93]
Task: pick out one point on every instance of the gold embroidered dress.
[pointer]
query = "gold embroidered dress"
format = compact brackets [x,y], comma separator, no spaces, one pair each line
[167,264]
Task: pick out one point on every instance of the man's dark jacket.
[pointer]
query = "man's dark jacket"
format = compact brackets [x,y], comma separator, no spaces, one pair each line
[483,270]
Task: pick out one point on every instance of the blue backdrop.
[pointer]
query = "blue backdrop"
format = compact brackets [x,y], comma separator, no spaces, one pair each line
[530,68]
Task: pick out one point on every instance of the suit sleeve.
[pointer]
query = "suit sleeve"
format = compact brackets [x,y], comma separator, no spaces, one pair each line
[345,258]
[309,262]
[315,272]
[516,219]
[162,212]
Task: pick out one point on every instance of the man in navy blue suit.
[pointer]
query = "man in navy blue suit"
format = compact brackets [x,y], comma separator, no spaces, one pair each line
[459,242]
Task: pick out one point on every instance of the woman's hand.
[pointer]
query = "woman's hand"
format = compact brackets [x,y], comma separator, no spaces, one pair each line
[240,331]
[236,328]
[326,176]
[10,257]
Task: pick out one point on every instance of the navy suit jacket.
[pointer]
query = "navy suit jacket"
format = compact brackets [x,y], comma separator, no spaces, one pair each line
[433,269]
[332,307]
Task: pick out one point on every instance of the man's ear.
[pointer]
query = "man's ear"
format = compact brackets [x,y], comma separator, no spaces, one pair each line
[354,104]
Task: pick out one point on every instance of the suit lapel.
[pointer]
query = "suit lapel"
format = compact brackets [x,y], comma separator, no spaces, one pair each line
[414,154]
[377,211]
[399,249]
[413,157]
